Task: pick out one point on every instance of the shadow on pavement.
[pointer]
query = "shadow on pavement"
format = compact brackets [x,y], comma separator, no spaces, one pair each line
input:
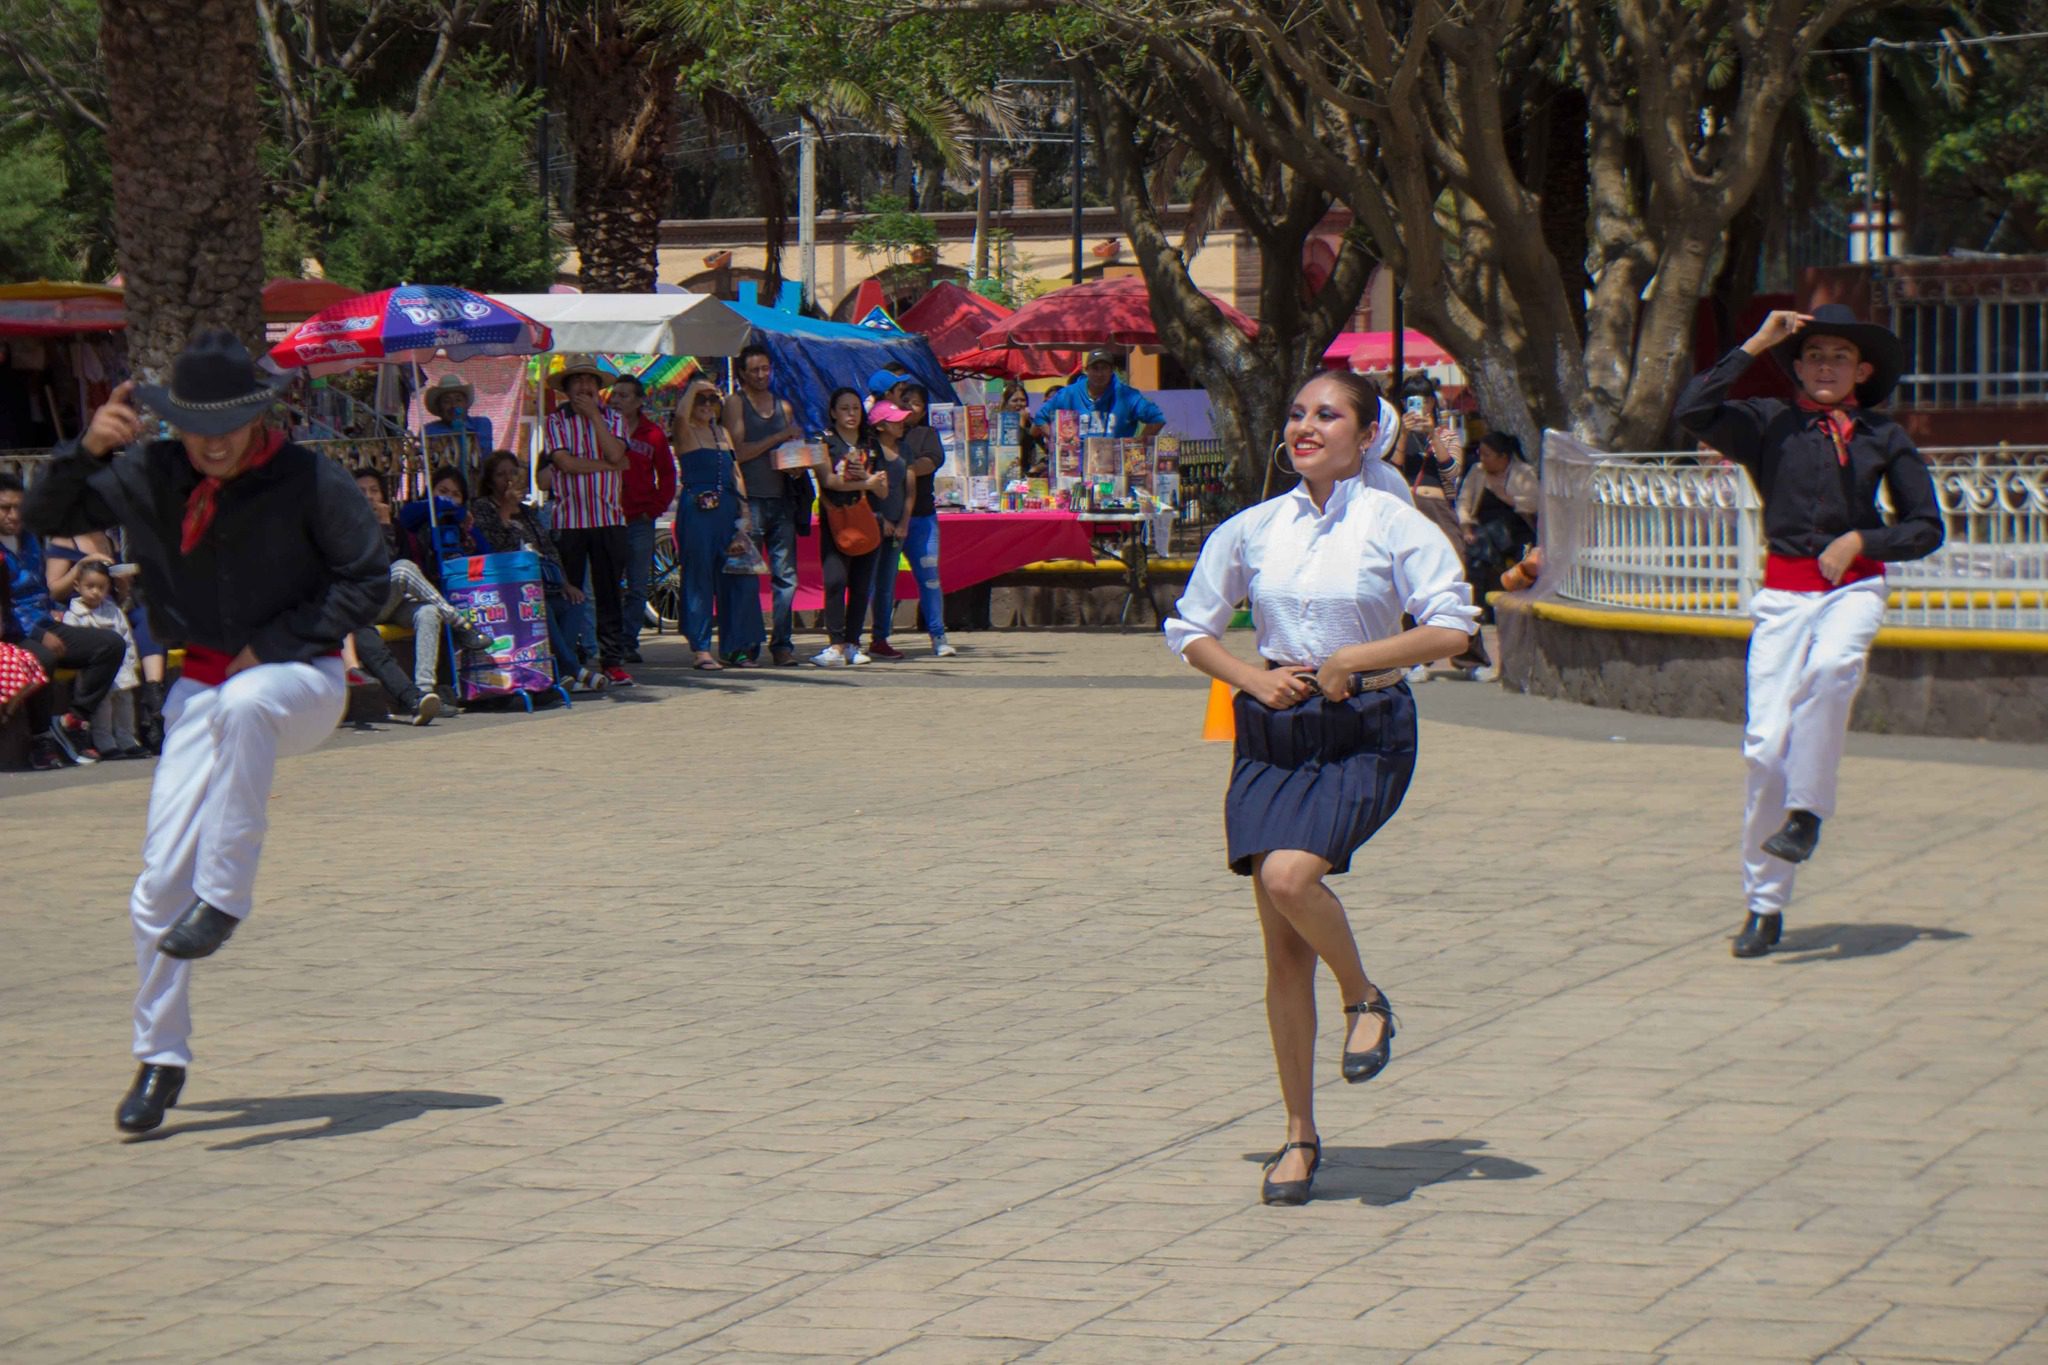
[1389,1175]
[362,1111]
[1840,942]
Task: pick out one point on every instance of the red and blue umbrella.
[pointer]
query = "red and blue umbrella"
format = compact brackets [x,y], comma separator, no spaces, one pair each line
[413,321]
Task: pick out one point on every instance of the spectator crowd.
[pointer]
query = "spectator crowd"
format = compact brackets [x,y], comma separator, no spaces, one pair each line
[726,483]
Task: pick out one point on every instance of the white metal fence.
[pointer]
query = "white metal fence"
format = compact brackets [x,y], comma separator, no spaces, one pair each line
[1679,532]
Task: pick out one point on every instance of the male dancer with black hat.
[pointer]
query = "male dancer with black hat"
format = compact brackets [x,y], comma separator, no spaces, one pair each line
[259,557]
[1818,464]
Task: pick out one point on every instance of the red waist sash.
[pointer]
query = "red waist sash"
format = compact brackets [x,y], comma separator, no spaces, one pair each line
[1786,573]
[209,667]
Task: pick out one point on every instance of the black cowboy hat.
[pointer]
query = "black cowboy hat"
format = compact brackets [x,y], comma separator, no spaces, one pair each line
[1884,351]
[215,386]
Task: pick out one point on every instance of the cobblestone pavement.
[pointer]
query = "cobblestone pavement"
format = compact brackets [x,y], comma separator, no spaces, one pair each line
[911,1014]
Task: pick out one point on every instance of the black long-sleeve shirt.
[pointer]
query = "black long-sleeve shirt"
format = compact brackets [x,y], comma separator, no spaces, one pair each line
[1810,498]
[292,564]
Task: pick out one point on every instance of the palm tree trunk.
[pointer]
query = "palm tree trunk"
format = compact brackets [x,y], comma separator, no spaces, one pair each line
[622,117]
[182,81]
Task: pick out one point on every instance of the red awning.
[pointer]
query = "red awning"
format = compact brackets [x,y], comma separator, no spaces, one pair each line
[47,309]
[1102,312]
[1375,351]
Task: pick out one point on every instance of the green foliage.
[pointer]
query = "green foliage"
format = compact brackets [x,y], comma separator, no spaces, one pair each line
[1002,284]
[451,199]
[1995,149]
[287,244]
[893,230]
[38,238]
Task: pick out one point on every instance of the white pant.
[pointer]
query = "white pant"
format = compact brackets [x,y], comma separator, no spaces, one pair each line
[207,818]
[1806,660]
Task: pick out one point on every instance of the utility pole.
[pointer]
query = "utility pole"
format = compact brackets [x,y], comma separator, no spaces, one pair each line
[1079,109]
[807,211]
[982,195]
[1870,164]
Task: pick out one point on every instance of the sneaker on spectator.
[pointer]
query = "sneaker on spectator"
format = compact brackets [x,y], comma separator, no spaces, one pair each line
[829,657]
[855,656]
[429,707]
[358,678]
[942,649]
[633,657]
[472,638]
[882,649]
[44,755]
[618,677]
[73,738]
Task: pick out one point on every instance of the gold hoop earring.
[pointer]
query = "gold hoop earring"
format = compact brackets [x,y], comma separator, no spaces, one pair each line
[1281,462]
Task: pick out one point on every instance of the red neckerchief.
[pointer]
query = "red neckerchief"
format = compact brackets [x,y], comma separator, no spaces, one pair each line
[1838,422]
[199,506]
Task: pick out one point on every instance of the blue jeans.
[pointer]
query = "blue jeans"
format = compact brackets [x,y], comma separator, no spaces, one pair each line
[701,540]
[639,573]
[921,547]
[773,523]
[887,559]
[567,623]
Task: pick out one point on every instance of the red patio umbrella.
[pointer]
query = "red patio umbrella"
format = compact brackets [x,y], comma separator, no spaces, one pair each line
[1015,362]
[952,318]
[1102,312]
[1375,351]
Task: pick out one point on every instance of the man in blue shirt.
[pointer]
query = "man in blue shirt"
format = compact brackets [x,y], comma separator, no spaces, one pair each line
[1108,406]
[450,400]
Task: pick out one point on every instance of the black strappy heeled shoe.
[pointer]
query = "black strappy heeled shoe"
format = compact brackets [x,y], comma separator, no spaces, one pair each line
[1363,1066]
[1292,1192]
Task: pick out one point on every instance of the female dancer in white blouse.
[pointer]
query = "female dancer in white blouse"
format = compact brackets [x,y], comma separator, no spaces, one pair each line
[1325,726]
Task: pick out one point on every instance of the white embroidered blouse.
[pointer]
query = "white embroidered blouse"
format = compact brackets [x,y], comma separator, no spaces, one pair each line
[1322,580]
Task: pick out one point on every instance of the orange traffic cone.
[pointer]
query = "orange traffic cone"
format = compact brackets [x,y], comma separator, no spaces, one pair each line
[1221,720]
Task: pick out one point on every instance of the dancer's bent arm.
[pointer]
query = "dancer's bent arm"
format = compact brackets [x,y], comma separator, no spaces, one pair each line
[345,532]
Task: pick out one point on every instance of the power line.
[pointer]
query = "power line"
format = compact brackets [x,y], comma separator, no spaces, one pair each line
[1914,44]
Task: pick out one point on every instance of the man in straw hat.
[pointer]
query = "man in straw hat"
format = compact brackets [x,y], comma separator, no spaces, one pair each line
[450,399]
[259,557]
[586,443]
[1818,464]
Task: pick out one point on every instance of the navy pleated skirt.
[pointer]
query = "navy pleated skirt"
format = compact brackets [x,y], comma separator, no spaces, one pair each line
[1321,777]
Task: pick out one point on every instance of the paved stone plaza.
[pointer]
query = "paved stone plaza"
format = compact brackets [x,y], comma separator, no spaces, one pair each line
[911,1014]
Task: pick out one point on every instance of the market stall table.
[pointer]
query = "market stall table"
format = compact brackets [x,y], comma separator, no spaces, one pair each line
[974,547]
[1131,549]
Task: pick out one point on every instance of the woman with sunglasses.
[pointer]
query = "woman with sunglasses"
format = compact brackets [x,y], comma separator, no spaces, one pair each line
[707,516]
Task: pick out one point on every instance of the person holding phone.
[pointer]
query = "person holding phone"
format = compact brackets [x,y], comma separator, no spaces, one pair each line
[1325,742]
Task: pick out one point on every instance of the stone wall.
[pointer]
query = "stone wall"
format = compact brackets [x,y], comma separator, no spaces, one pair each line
[1960,694]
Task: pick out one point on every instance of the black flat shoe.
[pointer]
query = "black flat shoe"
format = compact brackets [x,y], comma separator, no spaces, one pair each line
[1759,935]
[199,932]
[1363,1066]
[1292,1192]
[156,1089]
[1794,842]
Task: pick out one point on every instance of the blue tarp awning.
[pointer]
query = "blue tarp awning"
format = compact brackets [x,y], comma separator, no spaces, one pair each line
[812,358]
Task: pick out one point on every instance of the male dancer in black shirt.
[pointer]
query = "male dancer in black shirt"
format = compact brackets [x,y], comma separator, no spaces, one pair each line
[259,557]
[1818,464]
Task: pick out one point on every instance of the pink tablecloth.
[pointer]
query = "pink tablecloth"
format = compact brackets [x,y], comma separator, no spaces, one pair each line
[973,548]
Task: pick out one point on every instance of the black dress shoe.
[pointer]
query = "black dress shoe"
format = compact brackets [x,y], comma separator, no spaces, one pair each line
[1363,1066]
[1292,1192]
[156,1089]
[1794,842]
[1759,935]
[199,932]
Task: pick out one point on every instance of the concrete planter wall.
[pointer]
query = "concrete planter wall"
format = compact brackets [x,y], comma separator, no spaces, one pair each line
[1956,693]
